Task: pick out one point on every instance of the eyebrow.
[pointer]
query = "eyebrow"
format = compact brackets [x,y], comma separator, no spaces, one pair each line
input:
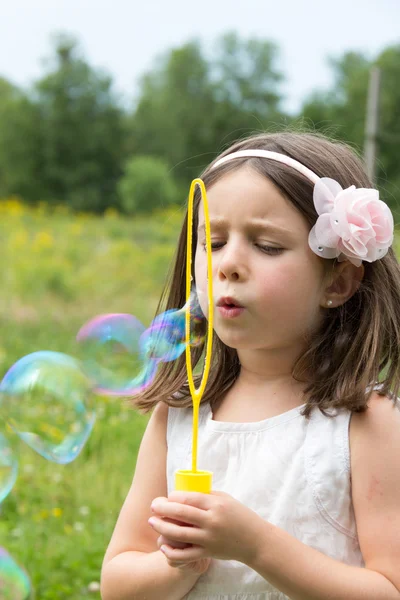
[260,224]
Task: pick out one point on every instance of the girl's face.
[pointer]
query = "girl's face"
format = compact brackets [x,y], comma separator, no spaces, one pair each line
[261,262]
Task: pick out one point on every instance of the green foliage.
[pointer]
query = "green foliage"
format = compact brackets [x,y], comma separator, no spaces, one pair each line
[58,519]
[58,270]
[146,184]
[342,108]
[83,136]
[341,112]
[69,140]
[389,133]
[20,144]
[192,104]
[172,117]
[64,140]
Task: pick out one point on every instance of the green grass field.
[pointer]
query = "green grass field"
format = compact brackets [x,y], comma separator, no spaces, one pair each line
[59,270]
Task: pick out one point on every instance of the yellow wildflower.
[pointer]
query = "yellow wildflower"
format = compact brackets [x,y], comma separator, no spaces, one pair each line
[42,241]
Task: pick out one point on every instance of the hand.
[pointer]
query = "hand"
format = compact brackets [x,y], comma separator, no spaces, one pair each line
[199,566]
[215,525]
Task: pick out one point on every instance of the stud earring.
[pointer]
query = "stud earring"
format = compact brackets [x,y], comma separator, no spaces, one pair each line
[329,303]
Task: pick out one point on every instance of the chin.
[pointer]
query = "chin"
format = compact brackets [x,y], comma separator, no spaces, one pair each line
[236,342]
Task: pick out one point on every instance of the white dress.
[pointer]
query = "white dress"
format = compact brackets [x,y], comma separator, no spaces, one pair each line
[293,472]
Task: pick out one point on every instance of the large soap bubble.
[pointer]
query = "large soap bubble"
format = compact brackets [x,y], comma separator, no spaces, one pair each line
[8,469]
[47,401]
[14,582]
[109,348]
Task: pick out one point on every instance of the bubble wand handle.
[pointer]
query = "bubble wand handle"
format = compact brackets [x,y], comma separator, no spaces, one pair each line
[194,480]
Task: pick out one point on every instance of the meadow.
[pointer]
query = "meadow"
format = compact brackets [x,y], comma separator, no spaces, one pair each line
[58,270]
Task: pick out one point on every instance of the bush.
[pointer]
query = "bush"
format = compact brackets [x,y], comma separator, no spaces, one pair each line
[147,184]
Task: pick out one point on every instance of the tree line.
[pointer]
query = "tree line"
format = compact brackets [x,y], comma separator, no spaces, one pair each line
[70,139]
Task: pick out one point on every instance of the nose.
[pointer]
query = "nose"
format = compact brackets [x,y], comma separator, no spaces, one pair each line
[232,264]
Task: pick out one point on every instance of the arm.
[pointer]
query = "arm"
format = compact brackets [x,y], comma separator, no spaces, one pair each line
[306,574]
[133,567]
[144,576]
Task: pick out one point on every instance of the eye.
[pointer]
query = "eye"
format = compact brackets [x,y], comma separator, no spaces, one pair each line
[270,249]
[214,245]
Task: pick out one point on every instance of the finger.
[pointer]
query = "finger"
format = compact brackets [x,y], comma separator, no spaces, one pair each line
[196,499]
[180,512]
[175,521]
[178,533]
[178,556]
[162,540]
[159,498]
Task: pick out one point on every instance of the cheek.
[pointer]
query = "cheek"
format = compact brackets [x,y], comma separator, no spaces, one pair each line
[291,289]
[198,268]
[200,275]
[276,289]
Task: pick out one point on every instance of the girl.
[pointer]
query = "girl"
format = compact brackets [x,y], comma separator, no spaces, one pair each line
[303,443]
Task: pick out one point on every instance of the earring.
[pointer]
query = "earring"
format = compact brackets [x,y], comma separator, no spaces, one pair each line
[329,303]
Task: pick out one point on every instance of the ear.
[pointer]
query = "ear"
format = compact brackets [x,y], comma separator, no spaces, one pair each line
[343,283]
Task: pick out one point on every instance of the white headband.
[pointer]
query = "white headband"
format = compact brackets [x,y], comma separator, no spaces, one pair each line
[353,223]
[273,156]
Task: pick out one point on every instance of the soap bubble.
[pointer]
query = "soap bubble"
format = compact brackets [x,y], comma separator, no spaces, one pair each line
[14,582]
[8,469]
[110,352]
[48,402]
[165,339]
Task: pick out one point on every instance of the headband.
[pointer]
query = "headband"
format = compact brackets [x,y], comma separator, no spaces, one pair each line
[353,223]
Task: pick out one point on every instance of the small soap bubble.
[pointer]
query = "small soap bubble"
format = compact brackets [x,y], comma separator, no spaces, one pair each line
[165,339]
[109,348]
[14,581]
[48,402]
[8,469]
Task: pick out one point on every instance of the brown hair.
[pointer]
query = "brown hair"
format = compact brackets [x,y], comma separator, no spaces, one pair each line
[358,343]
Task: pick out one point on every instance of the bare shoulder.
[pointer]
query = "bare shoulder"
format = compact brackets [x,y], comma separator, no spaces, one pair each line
[382,413]
[160,413]
[375,469]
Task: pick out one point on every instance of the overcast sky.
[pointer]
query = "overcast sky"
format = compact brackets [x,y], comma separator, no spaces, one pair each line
[125,36]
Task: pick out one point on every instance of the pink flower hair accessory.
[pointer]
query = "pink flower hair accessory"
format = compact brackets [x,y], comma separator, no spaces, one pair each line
[353,223]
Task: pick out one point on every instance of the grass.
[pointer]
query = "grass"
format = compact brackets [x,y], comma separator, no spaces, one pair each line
[58,271]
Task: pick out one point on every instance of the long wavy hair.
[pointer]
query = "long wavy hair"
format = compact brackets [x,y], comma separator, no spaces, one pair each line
[357,344]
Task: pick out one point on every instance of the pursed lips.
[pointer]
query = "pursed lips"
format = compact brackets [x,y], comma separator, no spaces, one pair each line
[229,302]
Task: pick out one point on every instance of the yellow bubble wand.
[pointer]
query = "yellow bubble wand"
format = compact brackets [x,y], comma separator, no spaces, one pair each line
[194,480]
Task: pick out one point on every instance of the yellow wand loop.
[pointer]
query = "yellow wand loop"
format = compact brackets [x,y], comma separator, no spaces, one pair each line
[195,480]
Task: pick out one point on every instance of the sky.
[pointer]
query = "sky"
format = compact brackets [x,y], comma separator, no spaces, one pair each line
[125,37]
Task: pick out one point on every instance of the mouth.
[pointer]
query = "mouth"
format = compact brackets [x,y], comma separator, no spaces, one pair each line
[229,303]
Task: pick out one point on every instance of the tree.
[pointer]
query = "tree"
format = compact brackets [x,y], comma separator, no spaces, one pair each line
[246,87]
[389,129]
[147,184]
[20,144]
[343,107]
[341,111]
[191,105]
[82,130]
[172,116]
